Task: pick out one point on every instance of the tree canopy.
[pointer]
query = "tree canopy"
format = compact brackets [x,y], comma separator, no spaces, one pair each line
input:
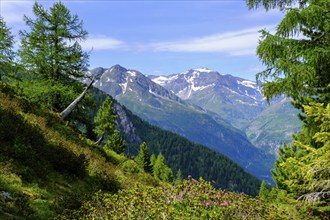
[143,158]
[297,56]
[51,49]
[105,119]
[6,49]
[297,60]
[50,52]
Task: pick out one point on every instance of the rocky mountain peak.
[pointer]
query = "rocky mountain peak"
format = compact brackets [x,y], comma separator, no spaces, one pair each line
[117,68]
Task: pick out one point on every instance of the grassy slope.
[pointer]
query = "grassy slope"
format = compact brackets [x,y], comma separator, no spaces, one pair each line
[46,166]
[48,170]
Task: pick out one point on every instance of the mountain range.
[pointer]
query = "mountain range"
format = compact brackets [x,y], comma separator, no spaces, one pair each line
[238,101]
[219,111]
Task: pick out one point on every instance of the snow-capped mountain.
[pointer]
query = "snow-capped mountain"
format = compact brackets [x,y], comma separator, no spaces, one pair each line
[226,95]
[186,84]
[162,107]
[238,101]
[120,82]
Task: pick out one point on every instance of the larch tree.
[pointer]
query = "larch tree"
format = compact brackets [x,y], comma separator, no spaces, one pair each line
[297,60]
[51,53]
[161,171]
[6,49]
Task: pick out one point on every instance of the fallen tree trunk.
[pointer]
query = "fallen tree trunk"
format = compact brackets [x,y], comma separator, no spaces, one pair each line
[66,112]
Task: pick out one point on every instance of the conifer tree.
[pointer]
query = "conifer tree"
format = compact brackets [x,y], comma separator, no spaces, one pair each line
[105,120]
[153,160]
[178,175]
[309,168]
[143,158]
[297,58]
[6,49]
[161,171]
[263,191]
[116,142]
[52,54]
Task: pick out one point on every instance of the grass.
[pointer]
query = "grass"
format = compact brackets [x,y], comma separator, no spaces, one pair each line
[46,166]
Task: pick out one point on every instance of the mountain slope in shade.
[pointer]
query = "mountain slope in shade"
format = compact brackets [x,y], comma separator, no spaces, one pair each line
[180,153]
[239,102]
[162,108]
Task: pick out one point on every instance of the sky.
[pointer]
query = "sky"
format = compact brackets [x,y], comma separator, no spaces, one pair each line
[163,37]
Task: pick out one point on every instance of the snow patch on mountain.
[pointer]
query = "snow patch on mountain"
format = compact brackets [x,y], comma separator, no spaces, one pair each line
[199,88]
[247,83]
[163,80]
[124,84]
[131,73]
[203,70]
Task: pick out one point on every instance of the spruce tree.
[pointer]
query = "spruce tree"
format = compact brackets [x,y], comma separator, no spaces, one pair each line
[51,53]
[6,49]
[143,158]
[116,142]
[105,120]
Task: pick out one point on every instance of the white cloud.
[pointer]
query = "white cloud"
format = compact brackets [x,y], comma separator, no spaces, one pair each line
[235,43]
[12,11]
[102,43]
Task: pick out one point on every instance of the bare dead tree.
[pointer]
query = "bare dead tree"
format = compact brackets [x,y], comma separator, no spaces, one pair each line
[66,112]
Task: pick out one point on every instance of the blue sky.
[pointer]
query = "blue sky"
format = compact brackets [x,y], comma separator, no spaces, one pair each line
[164,37]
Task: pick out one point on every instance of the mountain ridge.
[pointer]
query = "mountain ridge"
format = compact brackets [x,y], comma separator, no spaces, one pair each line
[161,107]
[238,101]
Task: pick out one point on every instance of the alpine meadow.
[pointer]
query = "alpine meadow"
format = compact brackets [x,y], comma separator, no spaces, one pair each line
[80,141]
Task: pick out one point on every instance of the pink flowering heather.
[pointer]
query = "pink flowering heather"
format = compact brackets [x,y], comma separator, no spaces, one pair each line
[208,203]
[217,196]
[225,204]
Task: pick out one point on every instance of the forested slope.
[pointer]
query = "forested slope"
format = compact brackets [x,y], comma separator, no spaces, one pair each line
[195,159]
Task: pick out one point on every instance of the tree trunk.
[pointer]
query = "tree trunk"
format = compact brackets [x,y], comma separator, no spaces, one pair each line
[66,112]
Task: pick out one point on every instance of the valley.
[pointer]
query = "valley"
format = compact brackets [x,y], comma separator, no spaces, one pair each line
[218,111]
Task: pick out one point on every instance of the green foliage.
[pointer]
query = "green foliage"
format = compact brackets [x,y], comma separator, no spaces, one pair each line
[143,158]
[297,66]
[105,119]
[116,142]
[47,167]
[305,169]
[191,199]
[50,52]
[263,191]
[6,49]
[161,171]
[51,49]
[271,4]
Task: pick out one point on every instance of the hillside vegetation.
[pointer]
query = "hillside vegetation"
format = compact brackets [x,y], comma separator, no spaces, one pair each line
[46,166]
[49,170]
